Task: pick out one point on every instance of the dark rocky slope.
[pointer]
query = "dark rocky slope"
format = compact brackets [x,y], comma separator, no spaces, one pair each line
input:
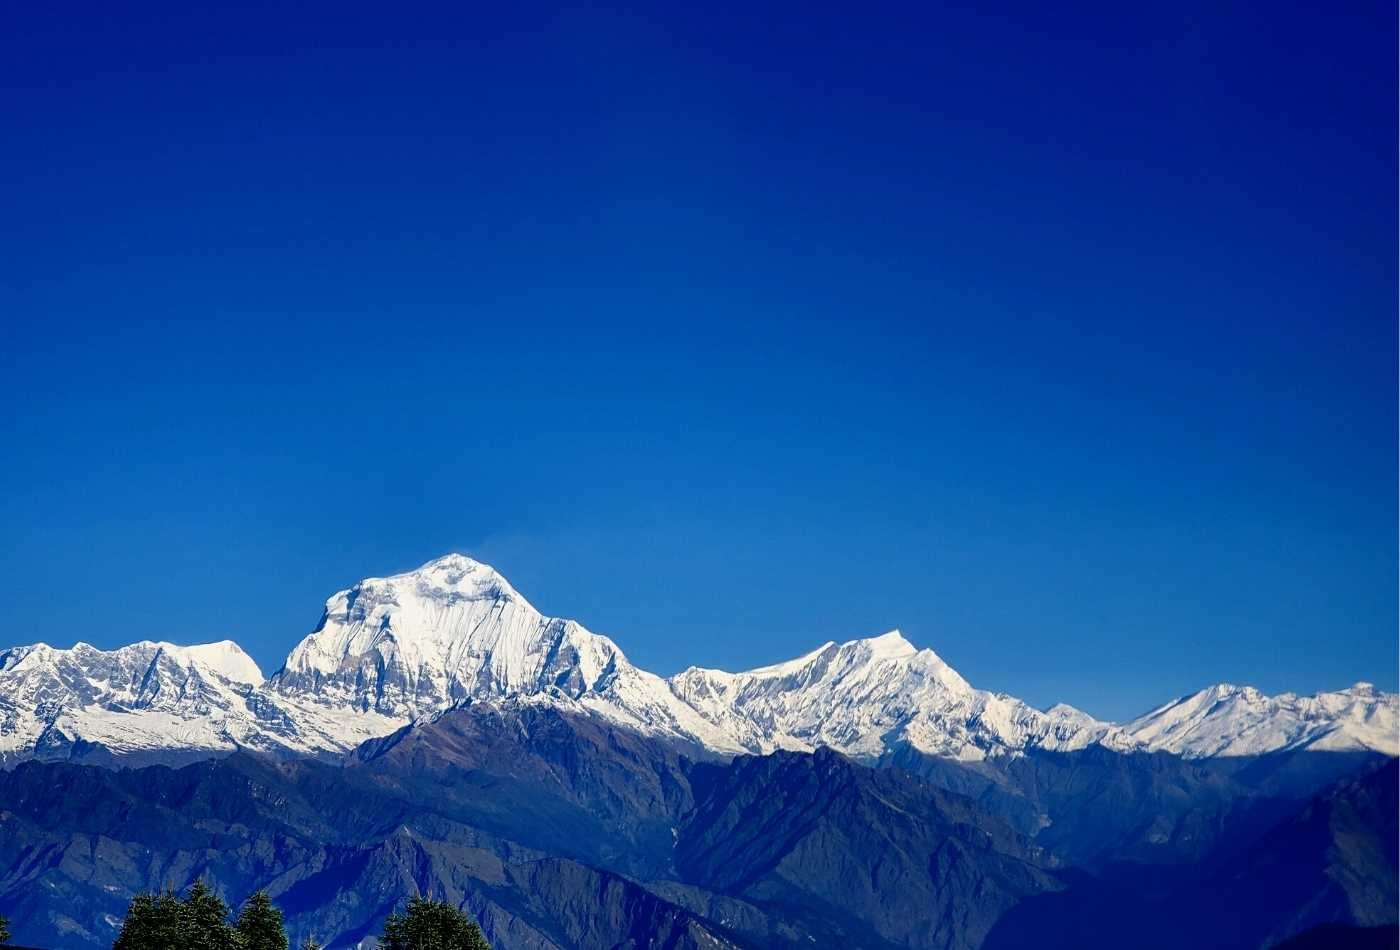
[869,858]
[566,831]
[1332,860]
[556,831]
[335,849]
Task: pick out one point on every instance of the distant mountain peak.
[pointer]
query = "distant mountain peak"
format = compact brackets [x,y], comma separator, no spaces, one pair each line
[1230,720]
[891,644]
[223,656]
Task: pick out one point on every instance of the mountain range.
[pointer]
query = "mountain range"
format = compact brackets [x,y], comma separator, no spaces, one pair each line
[393,650]
[437,734]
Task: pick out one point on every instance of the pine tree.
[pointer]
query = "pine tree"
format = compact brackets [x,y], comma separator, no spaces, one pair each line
[206,925]
[432,925]
[310,944]
[153,922]
[4,930]
[260,924]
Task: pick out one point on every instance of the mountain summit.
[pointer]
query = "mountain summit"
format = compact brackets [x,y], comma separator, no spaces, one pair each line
[415,642]
[392,650]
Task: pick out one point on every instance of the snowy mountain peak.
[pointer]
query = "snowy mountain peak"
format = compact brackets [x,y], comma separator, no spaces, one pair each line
[450,578]
[1230,720]
[889,645]
[410,612]
[449,629]
[223,657]
[463,576]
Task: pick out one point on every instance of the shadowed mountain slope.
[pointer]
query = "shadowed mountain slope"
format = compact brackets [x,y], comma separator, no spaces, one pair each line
[1331,861]
[555,830]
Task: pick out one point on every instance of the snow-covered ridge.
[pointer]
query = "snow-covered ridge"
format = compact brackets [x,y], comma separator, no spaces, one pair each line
[1229,720]
[868,697]
[223,657]
[155,701]
[390,650]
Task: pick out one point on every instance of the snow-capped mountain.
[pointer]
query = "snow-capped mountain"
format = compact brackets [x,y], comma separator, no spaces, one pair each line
[415,644]
[153,700]
[1227,720]
[865,696]
[50,698]
[392,650]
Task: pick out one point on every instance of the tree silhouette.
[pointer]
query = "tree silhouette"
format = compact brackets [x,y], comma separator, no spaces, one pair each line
[200,922]
[153,922]
[260,924]
[432,925]
[206,921]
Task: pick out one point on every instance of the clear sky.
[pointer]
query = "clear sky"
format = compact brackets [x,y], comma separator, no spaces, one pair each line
[1062,338]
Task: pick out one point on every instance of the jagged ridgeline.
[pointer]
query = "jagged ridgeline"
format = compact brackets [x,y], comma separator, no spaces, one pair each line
[389,651]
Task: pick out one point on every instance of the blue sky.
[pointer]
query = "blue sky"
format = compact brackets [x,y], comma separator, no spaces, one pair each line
[1064,340]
